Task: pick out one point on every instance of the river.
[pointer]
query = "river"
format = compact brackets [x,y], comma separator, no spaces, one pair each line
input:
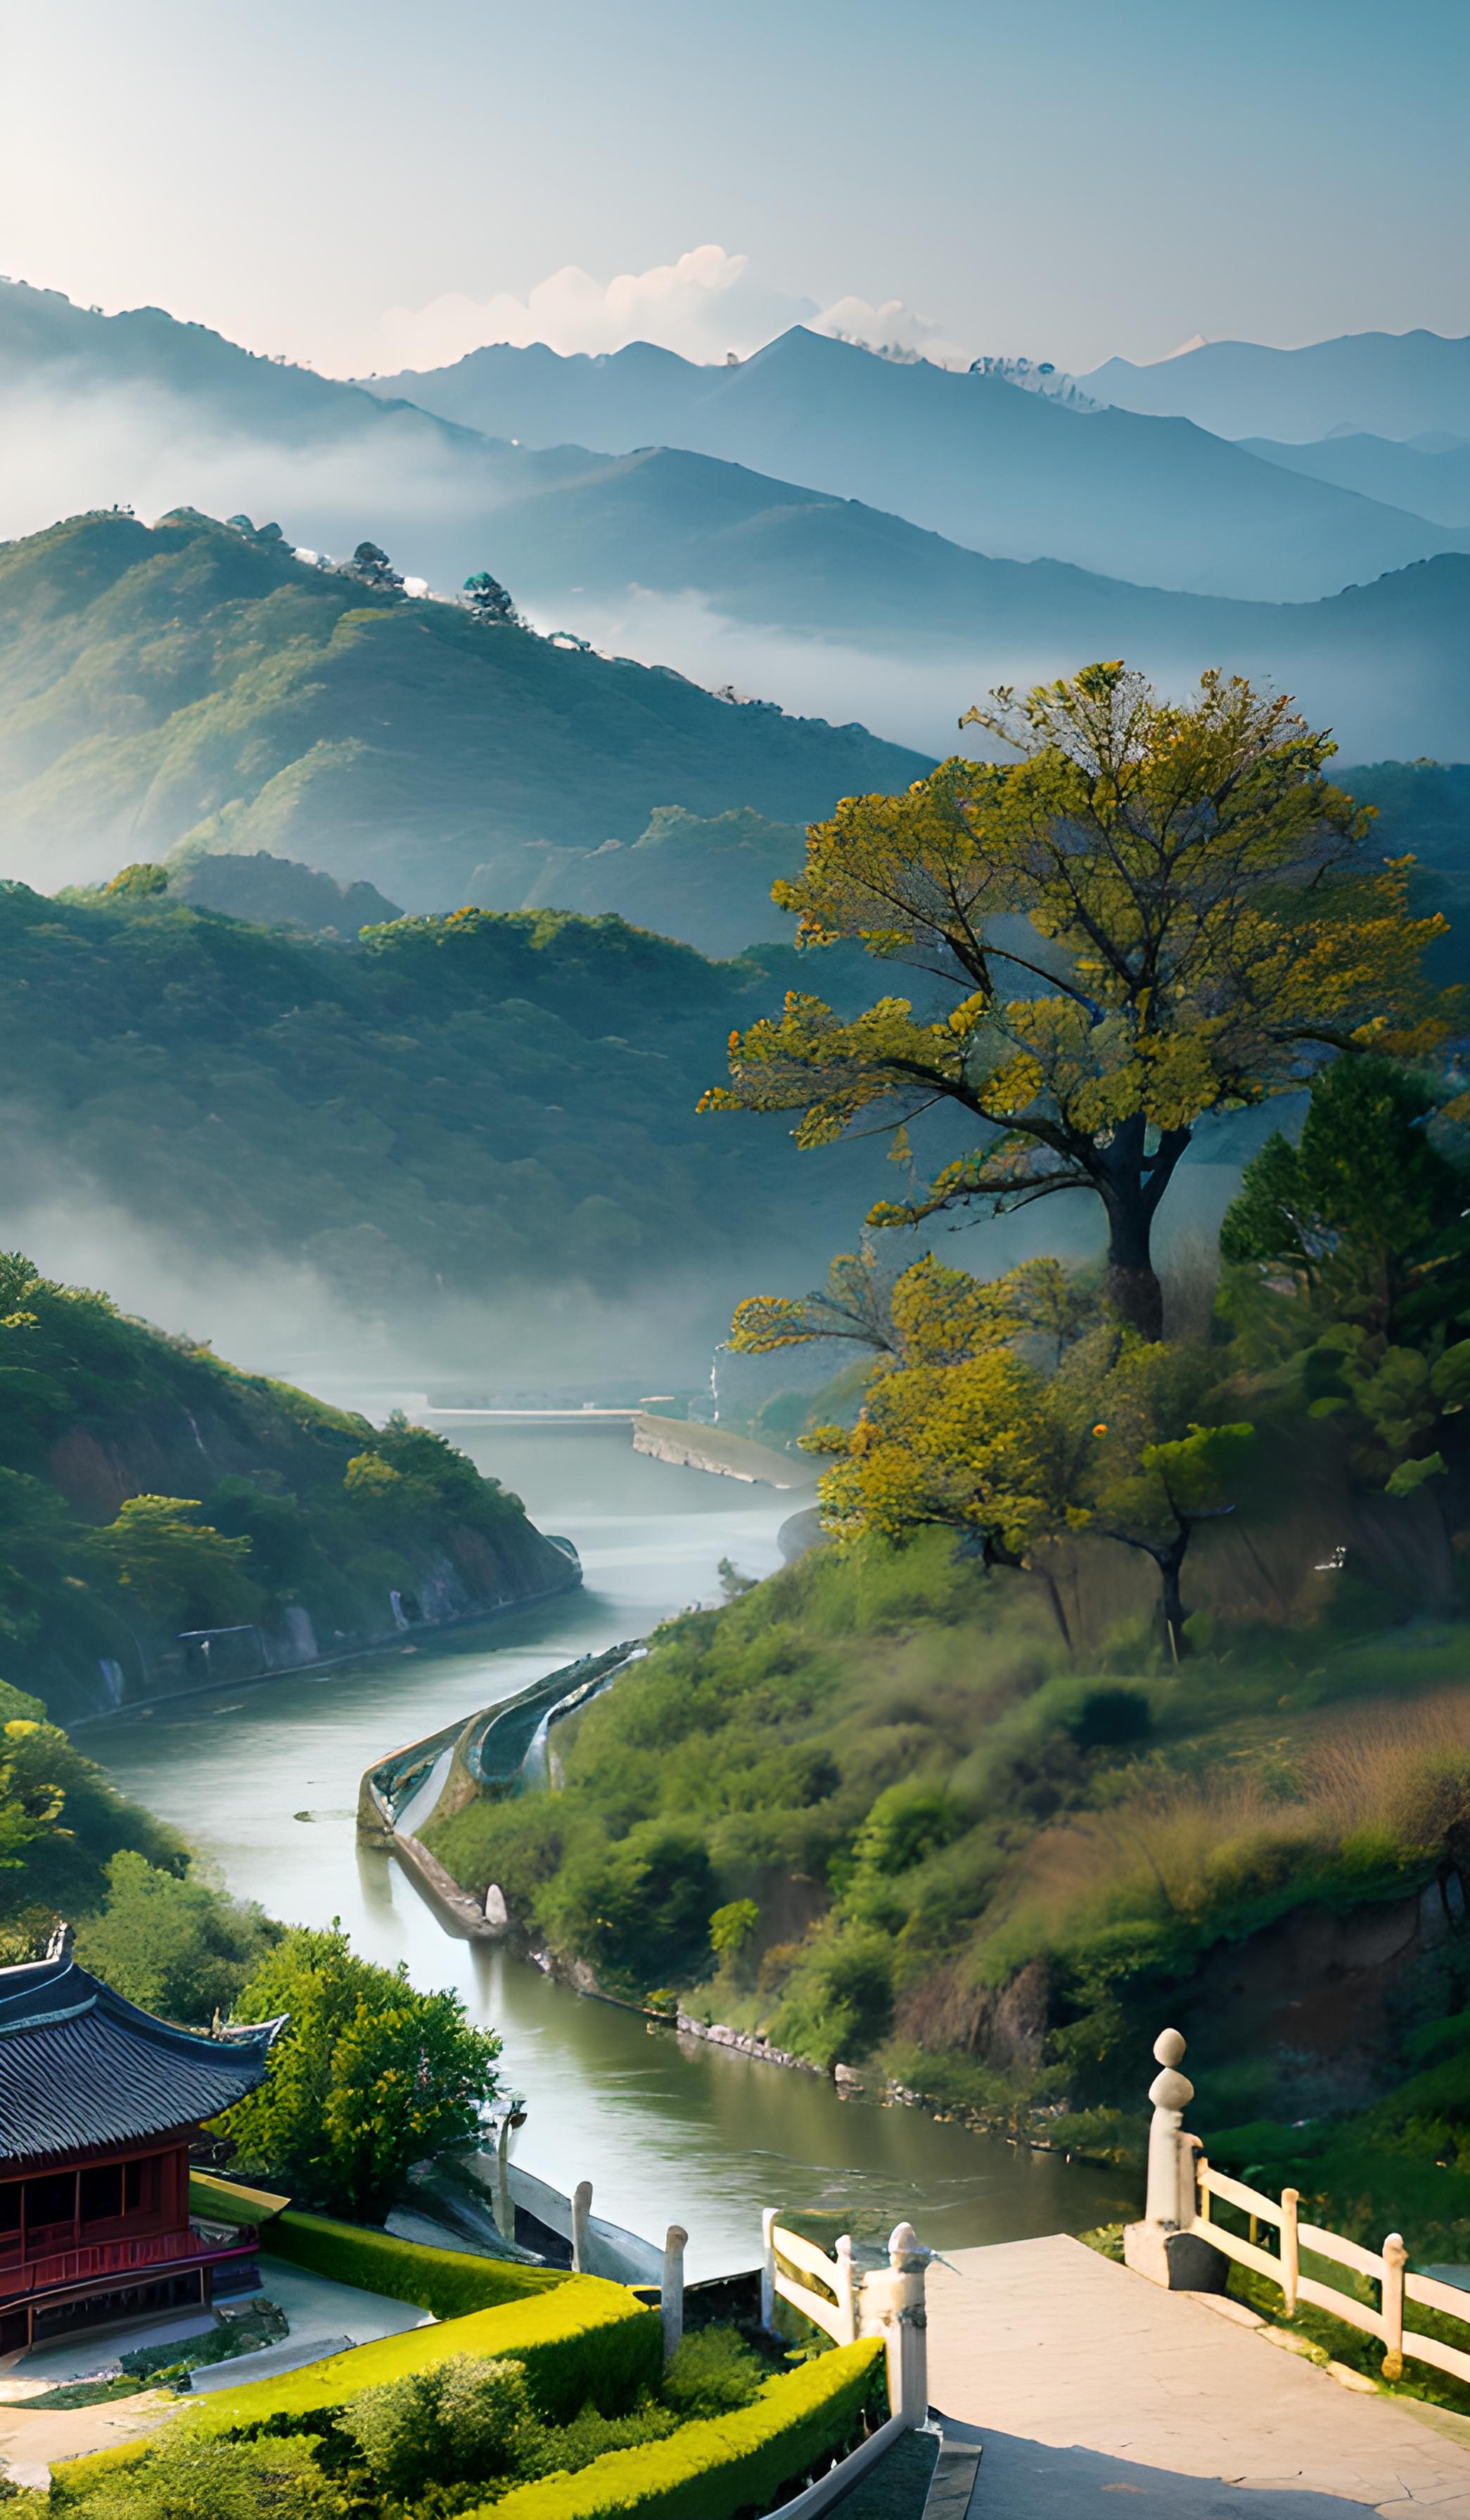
[263,1781]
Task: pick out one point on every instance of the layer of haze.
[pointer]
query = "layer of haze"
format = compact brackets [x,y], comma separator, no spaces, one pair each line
[1057,180]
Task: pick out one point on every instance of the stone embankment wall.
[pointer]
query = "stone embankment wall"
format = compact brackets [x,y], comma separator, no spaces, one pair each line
[732,1457]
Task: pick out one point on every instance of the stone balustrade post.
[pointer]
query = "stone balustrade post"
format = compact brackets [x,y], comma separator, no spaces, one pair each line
[672,2297]
[904,2323]
[844,2285]
[1165,2246]
[581,2215]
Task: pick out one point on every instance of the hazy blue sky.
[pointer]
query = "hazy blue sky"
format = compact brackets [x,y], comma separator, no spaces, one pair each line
[1057,177]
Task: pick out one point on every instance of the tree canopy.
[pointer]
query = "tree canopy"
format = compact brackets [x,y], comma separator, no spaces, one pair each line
[369,2077]
[1160,911]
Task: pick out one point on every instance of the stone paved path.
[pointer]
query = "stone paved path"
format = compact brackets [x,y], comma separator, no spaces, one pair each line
[1088,2384]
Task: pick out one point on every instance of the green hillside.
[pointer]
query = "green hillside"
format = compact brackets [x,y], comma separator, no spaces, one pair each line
[450,1110]
[151,1495]
[189,680]
[704,878]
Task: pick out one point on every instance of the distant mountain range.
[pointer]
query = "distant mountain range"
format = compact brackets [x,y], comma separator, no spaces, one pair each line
[192,682]
[1433,483]
[138,407]
[1389,384]
[1013,474]
[676,555]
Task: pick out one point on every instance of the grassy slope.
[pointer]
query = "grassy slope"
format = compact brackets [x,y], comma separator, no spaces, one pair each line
[996,1876]
[189,680]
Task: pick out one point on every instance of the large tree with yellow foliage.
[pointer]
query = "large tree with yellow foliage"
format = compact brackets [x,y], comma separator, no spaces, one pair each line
[1159,911]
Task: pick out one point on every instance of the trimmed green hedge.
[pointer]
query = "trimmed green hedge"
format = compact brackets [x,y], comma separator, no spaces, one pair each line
[448,2281]
[586,2341]
[730,2464]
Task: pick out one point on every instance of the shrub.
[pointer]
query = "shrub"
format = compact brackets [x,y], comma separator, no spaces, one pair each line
[185,2478]
[459,2420]
[712,2372]
[732,2463]
[586,2342]
[448,2281]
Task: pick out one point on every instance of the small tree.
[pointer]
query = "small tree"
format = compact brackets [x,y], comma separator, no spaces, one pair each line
[730,1930]
[369,2077]
[176,1947]
[1158,912]
[371,567]
[1365,1212]
[488,601]
[182,1573]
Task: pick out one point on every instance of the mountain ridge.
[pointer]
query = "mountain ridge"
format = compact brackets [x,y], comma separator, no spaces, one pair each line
[1395,385]
[1148,499]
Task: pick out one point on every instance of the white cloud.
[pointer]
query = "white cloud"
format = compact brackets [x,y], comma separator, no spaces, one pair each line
[705,305]
[893,327]
[702,305]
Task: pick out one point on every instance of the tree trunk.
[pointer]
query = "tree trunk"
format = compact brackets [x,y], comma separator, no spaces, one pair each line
[1170,1562]
[1131,1181]
[1131,1284]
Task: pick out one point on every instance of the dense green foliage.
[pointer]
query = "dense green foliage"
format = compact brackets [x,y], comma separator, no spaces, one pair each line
[581,2341]
[1161,912]
[149,1491]
[172,1945]
[451,2431]
[368,2077]
[474,1104]
[729,2465]
[990,1847]
[448,2282]
[62,1827]
[193,682]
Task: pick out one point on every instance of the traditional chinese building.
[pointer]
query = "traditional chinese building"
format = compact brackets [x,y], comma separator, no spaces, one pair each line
[98,2105]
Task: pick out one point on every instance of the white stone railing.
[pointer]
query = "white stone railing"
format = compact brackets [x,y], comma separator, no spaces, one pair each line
[1175,2241]
[847,2303]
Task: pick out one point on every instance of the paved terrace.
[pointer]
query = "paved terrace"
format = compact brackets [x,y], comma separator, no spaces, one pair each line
[1086,2383]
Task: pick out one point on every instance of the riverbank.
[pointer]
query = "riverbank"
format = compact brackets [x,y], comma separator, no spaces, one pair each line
[668,2130]
[392,1640]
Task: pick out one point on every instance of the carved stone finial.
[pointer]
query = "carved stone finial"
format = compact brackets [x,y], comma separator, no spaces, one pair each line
[1169,2047]
[1171,2091]
[60,1946]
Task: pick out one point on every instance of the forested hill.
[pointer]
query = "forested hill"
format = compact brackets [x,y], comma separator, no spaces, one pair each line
[151,1495]
[188,679]
[453,1111]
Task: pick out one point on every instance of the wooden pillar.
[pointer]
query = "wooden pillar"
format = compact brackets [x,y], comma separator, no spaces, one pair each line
[1395,2259]
[768,2222]
[1291,2198]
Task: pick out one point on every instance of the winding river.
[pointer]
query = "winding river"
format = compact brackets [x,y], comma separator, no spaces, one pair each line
[264,1780]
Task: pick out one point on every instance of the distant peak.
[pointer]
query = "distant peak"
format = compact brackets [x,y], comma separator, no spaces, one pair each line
[1196,342]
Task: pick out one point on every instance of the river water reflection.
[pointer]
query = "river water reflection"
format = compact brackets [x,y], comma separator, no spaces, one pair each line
[264,1780]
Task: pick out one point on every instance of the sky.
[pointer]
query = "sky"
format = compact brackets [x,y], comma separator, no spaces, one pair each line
[369,184]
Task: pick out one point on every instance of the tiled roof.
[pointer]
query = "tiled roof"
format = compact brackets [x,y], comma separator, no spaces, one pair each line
[81,2066]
